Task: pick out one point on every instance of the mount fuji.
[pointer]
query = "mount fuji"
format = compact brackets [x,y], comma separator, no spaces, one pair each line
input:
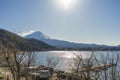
[61,43]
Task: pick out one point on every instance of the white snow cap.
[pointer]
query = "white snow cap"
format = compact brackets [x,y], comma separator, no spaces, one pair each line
[25,33]
[35,34]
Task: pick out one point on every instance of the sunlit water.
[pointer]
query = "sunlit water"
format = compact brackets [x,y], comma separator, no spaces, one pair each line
[66,56]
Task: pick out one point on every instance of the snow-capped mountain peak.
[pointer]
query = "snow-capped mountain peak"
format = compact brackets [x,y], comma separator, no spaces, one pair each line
[37,35]
[60,43]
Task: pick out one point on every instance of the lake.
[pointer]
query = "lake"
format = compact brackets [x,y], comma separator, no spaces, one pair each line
[66,56]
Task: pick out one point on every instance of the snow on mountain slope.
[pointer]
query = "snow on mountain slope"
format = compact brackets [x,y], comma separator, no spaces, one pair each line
[37,35]
[59,43]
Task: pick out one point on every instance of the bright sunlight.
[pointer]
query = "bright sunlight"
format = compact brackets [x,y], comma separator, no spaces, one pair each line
[67,4]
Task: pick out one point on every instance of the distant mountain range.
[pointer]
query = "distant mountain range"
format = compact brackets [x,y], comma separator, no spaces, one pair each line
[38,41]
[11,40]
[66,44]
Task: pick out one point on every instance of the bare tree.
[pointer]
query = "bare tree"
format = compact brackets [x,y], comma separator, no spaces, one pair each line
[104,67]
[52,61]
[28,60]
[111,66]
[15,60]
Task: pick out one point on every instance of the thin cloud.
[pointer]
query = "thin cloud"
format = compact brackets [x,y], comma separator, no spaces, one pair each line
[25,33]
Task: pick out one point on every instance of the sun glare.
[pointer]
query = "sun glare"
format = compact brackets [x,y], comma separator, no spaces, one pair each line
[66,4]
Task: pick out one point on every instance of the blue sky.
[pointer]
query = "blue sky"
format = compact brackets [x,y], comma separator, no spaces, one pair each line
[88,21]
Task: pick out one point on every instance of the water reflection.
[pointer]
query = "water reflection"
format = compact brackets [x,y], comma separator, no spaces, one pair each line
[66,56]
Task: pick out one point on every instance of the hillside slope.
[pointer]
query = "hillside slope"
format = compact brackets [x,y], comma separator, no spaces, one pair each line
[11,40]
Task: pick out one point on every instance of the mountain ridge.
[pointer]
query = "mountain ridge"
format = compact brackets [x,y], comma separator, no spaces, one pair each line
[66,44]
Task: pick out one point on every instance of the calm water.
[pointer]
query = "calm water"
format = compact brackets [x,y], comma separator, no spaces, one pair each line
[66,56]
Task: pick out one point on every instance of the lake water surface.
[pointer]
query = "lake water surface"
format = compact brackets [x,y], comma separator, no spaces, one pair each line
[66,56]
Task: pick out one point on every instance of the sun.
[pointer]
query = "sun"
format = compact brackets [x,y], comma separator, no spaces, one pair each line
[66,4]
